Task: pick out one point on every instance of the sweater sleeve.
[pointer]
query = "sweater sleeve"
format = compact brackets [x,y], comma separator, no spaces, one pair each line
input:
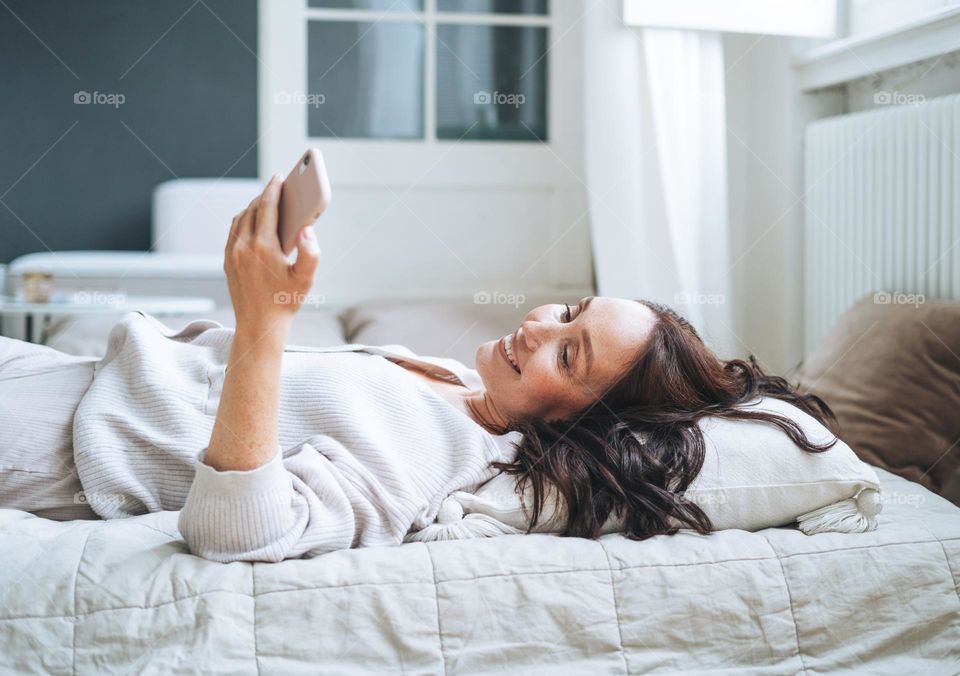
[282,509]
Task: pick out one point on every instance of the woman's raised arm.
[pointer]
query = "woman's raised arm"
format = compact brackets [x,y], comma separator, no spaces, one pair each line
[244,504]
[266,291]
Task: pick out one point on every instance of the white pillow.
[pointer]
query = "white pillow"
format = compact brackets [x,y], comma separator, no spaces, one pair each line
[753,477]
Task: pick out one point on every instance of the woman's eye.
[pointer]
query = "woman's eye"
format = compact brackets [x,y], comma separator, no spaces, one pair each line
[563,357]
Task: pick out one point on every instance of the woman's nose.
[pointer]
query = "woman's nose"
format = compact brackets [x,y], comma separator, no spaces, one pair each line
[532,333]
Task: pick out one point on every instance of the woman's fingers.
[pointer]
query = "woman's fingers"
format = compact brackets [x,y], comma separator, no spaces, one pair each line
[228,247]
[245,224]
[308,256]
[259,216]
[256,268]
[252,206]
[267,206]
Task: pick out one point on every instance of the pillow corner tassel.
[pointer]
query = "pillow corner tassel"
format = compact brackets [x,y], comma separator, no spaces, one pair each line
[853,515]
[452,524]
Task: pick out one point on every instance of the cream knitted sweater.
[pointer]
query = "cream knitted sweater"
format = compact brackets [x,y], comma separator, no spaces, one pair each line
[367,450]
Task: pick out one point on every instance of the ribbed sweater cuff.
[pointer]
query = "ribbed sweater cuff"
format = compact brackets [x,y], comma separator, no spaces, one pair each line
[270,477]
[241,515]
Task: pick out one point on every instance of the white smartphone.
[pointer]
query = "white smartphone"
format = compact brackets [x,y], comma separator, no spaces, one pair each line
[304,196]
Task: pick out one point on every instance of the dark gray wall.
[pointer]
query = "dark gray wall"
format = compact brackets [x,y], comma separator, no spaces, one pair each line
[188,72]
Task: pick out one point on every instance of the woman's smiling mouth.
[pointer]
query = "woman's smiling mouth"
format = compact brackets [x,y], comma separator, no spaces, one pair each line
[506,353]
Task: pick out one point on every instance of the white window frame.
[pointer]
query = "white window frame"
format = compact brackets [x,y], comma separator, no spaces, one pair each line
[283,127]
[808,18]
[864,55]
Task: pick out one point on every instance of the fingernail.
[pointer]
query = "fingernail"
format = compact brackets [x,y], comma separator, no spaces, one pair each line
[278,177]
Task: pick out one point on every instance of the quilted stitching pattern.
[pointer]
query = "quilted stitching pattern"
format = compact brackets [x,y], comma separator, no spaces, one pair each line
[126,595]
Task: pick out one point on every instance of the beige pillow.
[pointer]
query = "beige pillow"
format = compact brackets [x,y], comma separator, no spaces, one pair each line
[87,335]
[891,373]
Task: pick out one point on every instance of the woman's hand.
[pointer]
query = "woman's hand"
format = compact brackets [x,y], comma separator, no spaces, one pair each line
[265,289]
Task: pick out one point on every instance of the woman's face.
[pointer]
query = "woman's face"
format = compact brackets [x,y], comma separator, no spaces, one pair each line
[565,361]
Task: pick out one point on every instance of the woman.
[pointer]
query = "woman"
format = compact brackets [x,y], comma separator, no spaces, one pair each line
[308,450]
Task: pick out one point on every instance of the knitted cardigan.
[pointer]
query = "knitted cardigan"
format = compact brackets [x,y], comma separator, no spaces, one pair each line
[366,450]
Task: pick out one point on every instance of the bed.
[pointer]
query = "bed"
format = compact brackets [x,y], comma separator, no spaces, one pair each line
[127,596]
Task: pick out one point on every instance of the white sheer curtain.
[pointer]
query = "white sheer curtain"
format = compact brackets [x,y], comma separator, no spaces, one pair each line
[655,132]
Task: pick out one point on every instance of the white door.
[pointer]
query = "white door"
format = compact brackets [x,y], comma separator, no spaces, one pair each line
[452,133]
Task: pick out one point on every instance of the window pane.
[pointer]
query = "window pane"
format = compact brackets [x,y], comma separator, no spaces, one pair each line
[492,82]
[365,79]
[496,6]
[380,5]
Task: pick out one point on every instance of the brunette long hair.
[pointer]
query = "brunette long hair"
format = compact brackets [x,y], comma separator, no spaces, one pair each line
[637,448]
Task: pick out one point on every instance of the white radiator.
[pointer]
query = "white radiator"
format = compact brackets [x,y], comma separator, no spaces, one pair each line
[882,193]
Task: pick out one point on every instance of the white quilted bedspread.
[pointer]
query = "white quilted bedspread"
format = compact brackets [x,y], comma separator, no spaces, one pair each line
[125,596]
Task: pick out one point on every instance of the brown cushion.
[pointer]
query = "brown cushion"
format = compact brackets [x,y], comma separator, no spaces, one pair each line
[891,374]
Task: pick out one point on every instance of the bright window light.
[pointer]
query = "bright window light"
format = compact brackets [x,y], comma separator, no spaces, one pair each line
[807,18]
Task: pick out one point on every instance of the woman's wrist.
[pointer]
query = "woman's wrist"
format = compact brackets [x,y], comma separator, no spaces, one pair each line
[244,434]
[267,330]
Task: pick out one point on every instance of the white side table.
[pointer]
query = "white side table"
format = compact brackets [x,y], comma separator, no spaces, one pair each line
[37,316]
